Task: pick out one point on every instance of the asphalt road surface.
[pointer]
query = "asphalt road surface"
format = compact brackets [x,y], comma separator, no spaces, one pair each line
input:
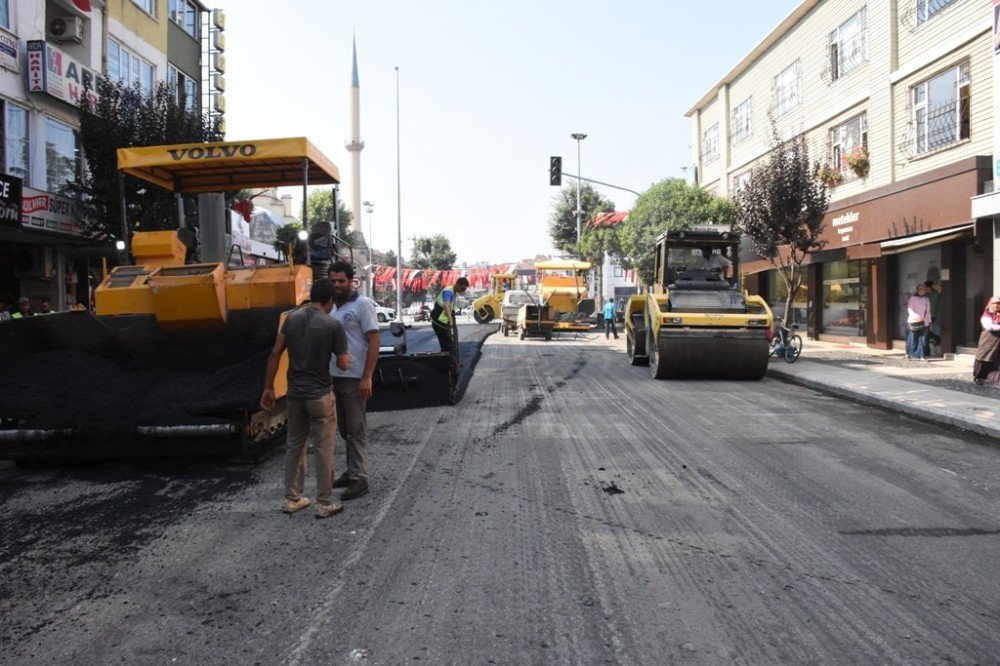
[569,510]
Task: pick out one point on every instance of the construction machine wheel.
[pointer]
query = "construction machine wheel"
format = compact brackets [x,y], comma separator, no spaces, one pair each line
[504,330]
[548,336]
[635,342]
[484,315]
[657,367]
[524,333]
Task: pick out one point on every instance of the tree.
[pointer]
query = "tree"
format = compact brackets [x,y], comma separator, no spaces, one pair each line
[289,234]
[595,243]
[433,252]
[669,204]
[118,116]
[319,205]
[562,222]
[387,258]
[780,210]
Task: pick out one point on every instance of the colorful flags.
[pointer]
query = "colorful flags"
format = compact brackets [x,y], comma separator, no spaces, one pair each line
[82,5]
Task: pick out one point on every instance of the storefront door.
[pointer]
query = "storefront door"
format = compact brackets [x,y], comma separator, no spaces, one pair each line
[845,289]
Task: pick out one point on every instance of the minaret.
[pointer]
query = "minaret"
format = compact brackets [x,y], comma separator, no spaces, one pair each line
[354,143]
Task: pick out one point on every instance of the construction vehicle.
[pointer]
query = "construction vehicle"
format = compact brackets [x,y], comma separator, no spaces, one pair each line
[510,306]
[696,322]
[534,320]
[173,362]
[562,285]
[488,307]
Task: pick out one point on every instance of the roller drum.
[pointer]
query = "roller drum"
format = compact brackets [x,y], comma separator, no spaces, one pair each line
[711,354]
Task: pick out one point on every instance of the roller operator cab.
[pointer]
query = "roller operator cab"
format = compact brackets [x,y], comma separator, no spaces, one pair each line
[697,322]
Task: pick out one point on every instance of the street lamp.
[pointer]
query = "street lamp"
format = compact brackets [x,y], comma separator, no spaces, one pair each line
[579,137]
[369,207]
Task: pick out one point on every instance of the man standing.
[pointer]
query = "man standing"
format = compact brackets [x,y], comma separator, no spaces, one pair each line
[311,338]
[23,308]
[609,319]
[443,314]
[354,386]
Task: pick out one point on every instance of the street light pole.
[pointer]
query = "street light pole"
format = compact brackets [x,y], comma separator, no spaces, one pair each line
[369,207]
[579,137]
[399,218]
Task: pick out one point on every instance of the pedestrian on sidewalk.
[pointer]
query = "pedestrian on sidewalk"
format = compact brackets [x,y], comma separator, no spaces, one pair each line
[986,369]
[311,337]
[918,318]
[353,386]
[609,319]
[934,330]
[443,314]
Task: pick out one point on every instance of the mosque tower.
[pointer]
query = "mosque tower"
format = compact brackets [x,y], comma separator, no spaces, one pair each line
[354,143]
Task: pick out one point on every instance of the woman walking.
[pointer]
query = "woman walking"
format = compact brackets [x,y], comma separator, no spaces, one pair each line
[986,369]
[918,318]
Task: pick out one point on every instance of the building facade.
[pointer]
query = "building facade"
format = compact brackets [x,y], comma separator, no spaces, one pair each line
[49,50]
[895,99]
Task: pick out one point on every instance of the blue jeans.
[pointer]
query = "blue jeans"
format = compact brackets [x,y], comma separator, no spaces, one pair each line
[916,343]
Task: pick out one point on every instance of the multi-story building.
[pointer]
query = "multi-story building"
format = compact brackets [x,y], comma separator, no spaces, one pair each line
[49,49]
[895,99]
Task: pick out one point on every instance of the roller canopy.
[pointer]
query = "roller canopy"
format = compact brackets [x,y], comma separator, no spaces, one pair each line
[228,165]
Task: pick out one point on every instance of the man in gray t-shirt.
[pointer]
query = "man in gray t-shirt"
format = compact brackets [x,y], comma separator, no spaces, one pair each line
[311,337]
[354,385]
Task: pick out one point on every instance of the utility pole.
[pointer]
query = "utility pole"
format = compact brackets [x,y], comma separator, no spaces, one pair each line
[579,137]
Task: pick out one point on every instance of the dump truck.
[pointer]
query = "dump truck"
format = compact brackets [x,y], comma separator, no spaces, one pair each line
[697,322]
[486,308]
[172,363]
[562,285]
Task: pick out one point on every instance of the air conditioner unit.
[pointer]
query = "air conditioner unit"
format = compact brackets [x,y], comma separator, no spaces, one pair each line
[66,29]
[33,262]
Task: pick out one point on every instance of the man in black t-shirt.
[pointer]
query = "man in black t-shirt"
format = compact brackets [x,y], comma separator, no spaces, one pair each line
[311,337]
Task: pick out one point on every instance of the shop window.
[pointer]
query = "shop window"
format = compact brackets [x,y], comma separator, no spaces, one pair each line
[777,299]
[710,144]
[742,121]
[15,140]
[941,108]
[62,157]
[845,286]
[849,45]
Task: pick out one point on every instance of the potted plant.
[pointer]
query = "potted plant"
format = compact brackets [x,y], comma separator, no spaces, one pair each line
[857,161]
[829,175]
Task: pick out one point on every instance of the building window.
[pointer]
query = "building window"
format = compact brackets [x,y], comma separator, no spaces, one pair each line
[185,14]
[849,45]
[941,109]
[710,143]
[741,181]
[927,9]
[185,88]
[62,157]
[15,140]
[786,89]
[148,6]
[742,121]
[129,68]
[845,138]
[5,14]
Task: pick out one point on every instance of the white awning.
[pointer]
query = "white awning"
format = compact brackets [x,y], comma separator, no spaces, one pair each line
[897,245]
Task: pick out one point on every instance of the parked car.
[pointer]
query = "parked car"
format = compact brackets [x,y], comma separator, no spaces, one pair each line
[383,313]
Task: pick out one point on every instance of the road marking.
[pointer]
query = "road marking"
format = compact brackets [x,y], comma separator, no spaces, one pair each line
[948,470]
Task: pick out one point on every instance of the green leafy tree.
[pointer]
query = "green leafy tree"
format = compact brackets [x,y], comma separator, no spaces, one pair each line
[122,117]
[595,243]
[668,204]
[780,210]
[562,221]
[387,258]
[288,235]
[319,205]
[433,252]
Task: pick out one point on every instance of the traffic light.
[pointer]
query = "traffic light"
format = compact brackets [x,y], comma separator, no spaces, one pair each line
[555,170]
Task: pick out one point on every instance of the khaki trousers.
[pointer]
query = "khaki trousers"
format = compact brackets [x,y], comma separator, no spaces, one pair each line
[314,420]
[353,426]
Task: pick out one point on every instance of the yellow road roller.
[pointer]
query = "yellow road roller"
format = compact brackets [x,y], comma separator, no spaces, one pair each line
[697,322]
[488,307]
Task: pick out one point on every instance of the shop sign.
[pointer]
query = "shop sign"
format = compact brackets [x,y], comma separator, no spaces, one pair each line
[844,223]
[10,200]
[41,211]
[54,73]
[8,52]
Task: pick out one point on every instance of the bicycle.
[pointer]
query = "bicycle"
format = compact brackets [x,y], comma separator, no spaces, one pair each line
[784,343]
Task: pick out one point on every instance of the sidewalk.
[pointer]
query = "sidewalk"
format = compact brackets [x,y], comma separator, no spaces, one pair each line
[940,391]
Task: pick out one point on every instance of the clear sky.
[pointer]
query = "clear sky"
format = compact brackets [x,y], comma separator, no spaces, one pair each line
[487,92]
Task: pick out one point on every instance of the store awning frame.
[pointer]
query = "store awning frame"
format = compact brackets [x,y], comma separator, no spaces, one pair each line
[897,245]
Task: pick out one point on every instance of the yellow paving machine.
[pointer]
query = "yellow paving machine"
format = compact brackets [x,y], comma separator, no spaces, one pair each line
[697,322]
[562,285]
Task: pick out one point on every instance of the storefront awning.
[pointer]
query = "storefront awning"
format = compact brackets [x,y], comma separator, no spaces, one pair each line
[229,165]
[897,245]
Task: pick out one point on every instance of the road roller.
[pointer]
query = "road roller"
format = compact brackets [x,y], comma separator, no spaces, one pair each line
[697,322]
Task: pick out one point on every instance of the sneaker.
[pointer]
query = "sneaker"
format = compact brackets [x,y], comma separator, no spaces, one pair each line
[342,481]
[327,510]
[978,380]
[357,488]
[292,507]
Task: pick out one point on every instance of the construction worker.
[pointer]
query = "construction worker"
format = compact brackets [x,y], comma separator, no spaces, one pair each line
[443,313]
[23,308]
